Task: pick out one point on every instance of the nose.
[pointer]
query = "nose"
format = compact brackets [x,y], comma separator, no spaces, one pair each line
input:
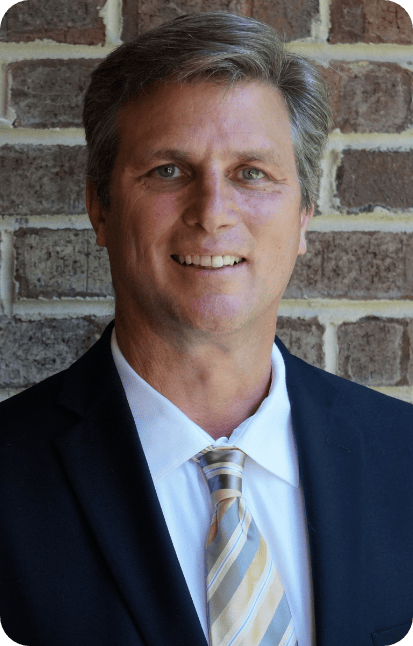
[212,204]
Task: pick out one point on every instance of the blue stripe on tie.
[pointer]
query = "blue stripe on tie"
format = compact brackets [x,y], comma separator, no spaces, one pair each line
[236,572]
[253,607]
[278,624]
[217,549]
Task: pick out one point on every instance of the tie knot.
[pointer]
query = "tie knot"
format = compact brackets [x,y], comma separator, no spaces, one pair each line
[223,469]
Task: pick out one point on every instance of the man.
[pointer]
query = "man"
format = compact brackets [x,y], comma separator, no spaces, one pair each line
[205,140]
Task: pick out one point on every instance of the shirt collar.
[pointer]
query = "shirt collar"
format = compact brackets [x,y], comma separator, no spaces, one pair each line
[169,438]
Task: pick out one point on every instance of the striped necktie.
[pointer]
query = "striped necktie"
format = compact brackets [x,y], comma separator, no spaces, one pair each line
[246,601]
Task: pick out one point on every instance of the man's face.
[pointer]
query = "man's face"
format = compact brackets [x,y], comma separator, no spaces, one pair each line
[202,171]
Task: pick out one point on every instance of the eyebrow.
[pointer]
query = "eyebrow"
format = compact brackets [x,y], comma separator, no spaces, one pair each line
[244,156]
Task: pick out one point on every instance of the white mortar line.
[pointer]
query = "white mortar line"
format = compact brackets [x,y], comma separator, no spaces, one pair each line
[46,137]
[111,14]
[44,49]
[3,91]
[7,272]
[9,112]
[385,221]
[322,52]
[405,393]
[370,141]
[330,348]
[5,393]
[336,141]
[327,187]
[375,221]
[408,65]
[321,26]
[325,52]
[337,311]
[35,310]
[53,222]
[329,312]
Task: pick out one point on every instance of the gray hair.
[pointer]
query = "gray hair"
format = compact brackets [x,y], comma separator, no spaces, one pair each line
[215,46]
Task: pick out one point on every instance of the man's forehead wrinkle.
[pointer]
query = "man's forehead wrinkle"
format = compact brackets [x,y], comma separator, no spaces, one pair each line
[172,153]
[270,156]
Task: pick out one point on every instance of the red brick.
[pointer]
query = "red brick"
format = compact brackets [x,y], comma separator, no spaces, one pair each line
[40,180]
[303,338]
[34,350]
[76,22]
[49,93]
[369,21]
[375,352]
[292,19]
[370,97]
[62,263]
[366,179]
[354,265]
[141,15]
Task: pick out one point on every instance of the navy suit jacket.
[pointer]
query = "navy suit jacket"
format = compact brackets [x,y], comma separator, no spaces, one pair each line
[85,554]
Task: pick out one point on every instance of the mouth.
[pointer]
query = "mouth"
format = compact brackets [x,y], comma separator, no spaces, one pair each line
[208,262]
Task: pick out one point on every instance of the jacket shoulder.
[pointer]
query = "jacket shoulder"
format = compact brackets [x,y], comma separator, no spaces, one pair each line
[40,404]
[31,410]
[357,395]
[33,399]
[355,407]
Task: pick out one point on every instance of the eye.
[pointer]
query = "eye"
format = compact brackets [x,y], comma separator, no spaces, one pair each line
[252,173]
[167,171]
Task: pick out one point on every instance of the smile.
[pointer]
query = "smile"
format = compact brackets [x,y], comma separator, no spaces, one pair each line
[214,262]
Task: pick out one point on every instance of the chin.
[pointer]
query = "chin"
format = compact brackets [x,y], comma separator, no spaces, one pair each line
[213,322]
[216,326]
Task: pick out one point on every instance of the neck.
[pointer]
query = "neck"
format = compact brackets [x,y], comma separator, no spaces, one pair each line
[217,383]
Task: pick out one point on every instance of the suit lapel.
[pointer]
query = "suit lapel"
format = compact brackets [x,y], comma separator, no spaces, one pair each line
[107,468]
[330,463]
[106,465]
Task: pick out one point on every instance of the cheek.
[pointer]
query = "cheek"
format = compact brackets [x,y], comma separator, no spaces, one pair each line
[149,217]
[276,227]
[277,237]
[120,237]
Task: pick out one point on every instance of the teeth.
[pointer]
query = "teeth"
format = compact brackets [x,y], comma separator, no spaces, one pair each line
[217,261]
[209,261]
[206,261]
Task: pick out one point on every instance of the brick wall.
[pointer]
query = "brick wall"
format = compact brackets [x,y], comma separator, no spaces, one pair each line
[348,307]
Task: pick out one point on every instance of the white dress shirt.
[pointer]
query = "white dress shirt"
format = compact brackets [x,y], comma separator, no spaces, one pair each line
[271,484]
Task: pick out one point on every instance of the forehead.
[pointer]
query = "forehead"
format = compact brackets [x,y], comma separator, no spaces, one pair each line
[206,116]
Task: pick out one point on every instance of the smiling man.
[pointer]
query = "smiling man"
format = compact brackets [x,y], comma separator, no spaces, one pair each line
[203,232]
[189,481]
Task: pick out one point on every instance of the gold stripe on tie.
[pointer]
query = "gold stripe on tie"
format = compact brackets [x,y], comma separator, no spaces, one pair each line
[246,601]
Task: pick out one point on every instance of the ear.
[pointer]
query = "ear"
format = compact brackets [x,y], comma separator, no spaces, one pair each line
[96,213]
[305,221]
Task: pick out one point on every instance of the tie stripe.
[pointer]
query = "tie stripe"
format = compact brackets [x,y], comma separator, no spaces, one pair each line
[247,605]
[222,558]
[233,619]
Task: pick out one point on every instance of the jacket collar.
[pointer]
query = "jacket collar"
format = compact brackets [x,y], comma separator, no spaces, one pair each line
[106,465]
[330,460]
